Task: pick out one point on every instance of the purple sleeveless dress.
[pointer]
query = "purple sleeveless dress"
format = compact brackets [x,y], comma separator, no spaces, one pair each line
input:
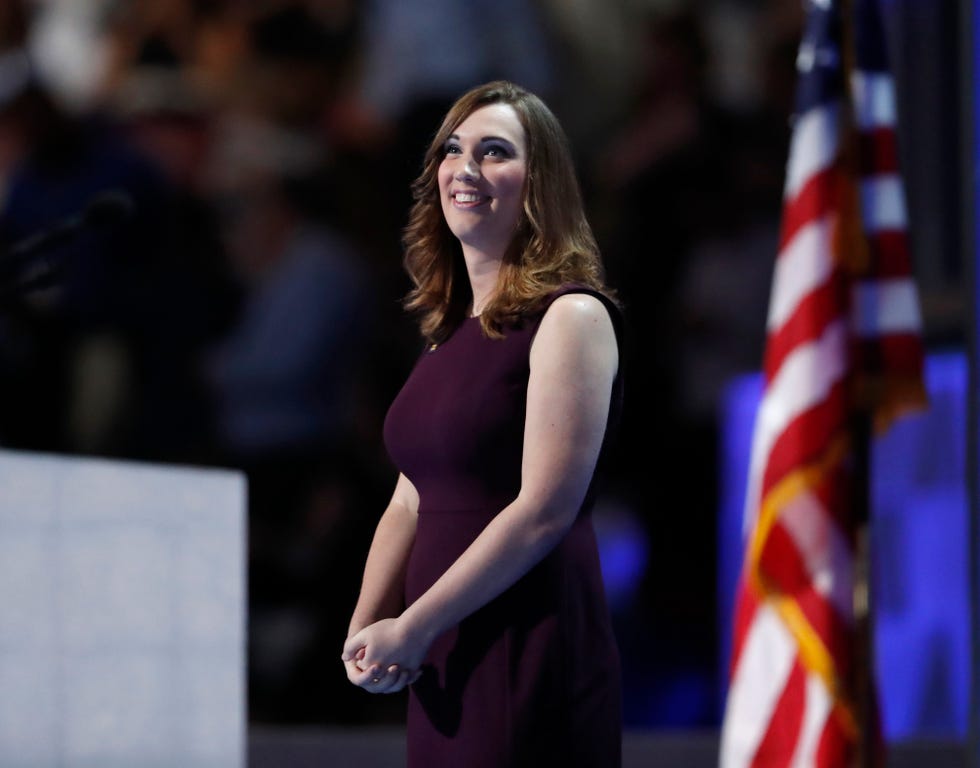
[533,677]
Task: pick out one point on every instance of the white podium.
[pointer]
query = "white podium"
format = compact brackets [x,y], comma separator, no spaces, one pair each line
[122,614]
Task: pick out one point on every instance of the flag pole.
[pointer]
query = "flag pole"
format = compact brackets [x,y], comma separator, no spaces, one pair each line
[970,137]
[868,753]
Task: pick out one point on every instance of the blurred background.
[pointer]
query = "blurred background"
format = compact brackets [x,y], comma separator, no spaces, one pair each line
[247,313]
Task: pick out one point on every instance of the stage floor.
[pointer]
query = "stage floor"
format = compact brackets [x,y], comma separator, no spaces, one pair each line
[271,747]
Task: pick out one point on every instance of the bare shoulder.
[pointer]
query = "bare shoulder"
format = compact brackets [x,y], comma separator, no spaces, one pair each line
[578,315]
[576,333]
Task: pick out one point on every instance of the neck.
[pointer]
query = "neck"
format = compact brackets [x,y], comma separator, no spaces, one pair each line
[480,301]
[483,272]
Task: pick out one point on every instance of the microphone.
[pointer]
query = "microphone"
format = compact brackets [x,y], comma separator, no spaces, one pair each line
[27,266]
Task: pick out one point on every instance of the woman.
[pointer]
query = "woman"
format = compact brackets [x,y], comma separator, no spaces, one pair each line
[482,588]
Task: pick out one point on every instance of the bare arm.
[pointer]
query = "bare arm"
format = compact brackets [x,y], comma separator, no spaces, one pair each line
[573,362]
[382,586]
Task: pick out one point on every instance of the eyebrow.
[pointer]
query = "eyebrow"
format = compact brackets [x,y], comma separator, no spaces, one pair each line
[484,139]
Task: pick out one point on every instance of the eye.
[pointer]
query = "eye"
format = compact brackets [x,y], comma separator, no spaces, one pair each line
[451,148]
[497,150]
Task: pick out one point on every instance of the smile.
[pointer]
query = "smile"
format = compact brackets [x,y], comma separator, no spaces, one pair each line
[469,198]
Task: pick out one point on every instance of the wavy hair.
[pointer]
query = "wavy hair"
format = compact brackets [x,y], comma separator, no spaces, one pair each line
[552,246]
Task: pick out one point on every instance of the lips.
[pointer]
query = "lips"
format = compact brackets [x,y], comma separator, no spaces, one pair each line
[469,198]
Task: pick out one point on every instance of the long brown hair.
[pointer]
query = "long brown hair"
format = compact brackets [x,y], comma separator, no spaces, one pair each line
[553,245]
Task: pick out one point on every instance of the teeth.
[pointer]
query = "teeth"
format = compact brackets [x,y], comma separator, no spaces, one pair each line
[467,197]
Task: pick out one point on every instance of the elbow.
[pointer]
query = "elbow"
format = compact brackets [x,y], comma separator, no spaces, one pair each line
[549,525]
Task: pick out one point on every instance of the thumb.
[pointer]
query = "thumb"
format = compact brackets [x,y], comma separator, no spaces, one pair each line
[352,646]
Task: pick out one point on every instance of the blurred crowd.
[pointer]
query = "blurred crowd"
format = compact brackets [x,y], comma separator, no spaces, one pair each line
[246,312]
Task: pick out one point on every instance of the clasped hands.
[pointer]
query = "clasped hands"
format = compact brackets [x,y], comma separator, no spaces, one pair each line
[383,657]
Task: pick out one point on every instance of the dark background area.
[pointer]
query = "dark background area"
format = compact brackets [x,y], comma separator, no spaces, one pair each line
[247,313]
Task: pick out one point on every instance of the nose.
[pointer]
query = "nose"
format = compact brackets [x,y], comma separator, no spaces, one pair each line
[469,171]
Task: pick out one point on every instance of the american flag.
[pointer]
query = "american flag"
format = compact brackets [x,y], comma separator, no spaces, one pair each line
[843,339]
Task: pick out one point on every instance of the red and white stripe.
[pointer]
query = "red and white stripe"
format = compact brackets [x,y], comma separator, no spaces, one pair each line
[788,701]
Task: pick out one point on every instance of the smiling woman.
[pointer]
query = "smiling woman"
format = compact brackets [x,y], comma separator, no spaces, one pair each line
[482,590]
[552,243]
[481,185]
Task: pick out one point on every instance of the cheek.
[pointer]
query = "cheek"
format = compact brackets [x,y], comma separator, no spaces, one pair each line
[511,189]
[513,179]
[444,177]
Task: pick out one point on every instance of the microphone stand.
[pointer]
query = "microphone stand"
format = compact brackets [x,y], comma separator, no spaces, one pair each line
[29,266]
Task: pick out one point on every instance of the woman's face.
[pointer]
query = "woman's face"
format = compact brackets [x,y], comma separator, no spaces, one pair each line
[481,178]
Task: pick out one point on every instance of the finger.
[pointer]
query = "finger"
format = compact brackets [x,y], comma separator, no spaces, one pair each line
[354,673]
[372,673]
[367,666]
[378,681]
[351,647]
[393,687]
[353,667]
[405,678]
[359,676]
[394,682]
[365,681]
